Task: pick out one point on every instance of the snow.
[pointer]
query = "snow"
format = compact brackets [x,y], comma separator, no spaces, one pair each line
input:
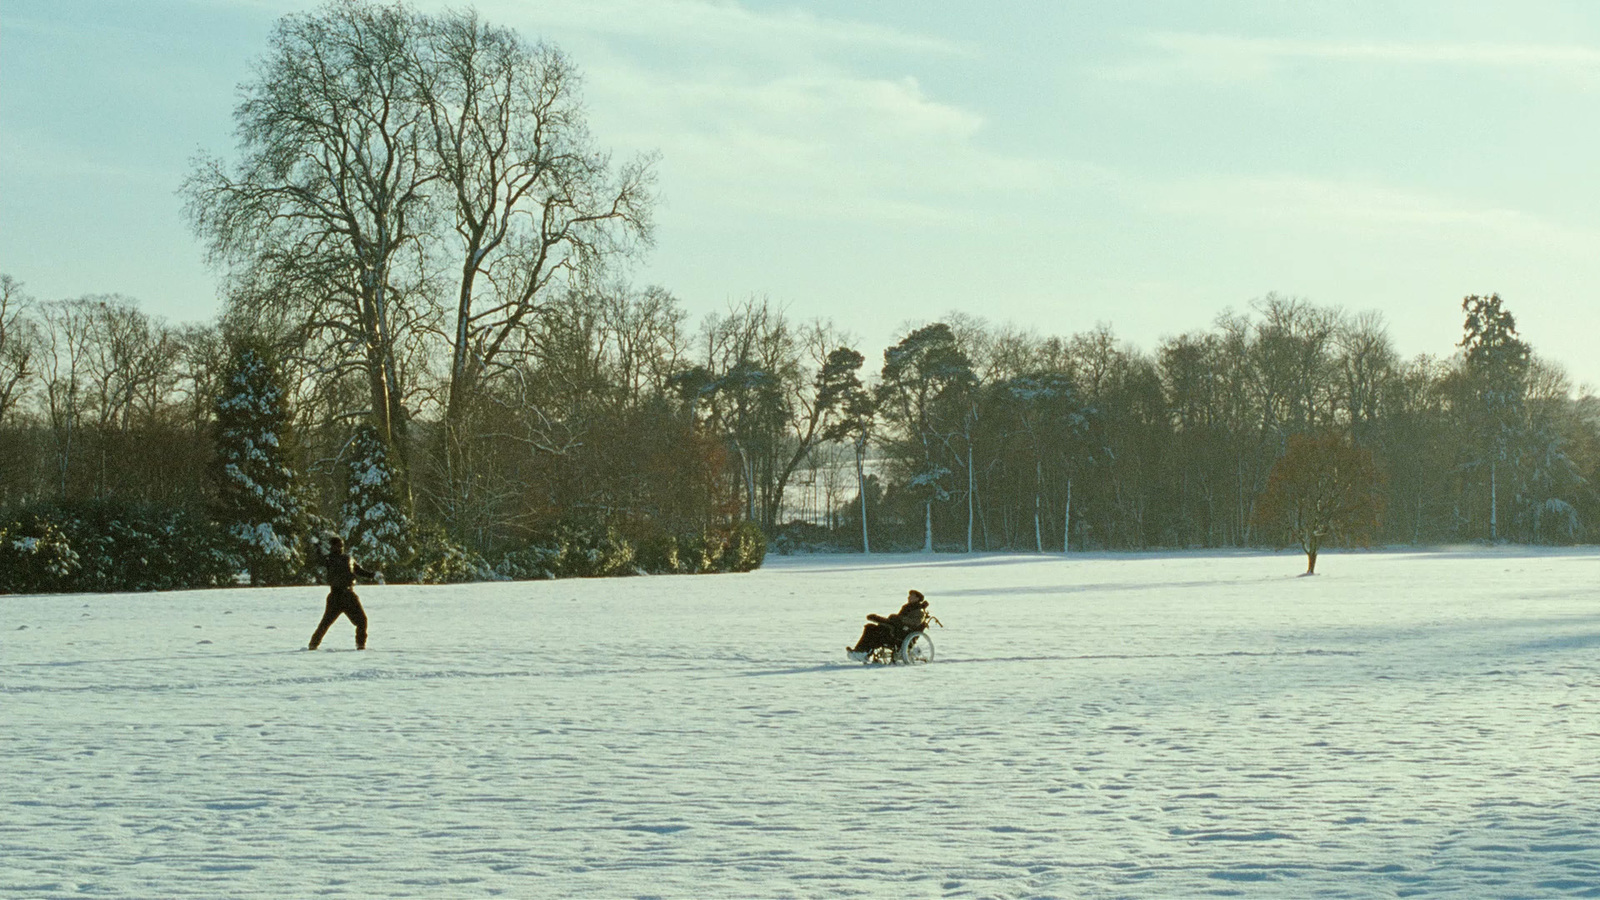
[1173,725]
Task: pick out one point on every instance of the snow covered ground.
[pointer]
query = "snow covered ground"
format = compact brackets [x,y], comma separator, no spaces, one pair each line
[1173,725]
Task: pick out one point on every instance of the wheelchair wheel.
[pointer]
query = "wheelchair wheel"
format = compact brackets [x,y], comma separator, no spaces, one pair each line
[916,648]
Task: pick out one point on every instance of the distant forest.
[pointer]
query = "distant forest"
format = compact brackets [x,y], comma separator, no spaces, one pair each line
[623,413]
[424,258]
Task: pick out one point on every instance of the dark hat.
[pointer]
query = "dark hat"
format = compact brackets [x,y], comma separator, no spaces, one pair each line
[336,542]
[916,595]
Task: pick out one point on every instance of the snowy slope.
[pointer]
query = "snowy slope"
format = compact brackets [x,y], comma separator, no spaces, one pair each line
[1119,726]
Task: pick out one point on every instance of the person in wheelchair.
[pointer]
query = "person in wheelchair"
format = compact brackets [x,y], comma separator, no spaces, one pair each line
[888,631]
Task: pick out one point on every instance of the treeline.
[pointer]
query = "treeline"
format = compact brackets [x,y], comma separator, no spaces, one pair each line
[967,436]
[201,444]
[430,344]
[999,439]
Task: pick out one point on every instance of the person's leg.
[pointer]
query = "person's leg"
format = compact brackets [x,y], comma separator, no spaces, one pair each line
[329,613]
[357,615]
[872,637]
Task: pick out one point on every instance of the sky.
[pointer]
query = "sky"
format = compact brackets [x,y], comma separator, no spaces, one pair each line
[1053,165]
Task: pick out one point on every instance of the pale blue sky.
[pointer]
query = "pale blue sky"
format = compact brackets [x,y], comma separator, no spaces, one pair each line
[1049,164]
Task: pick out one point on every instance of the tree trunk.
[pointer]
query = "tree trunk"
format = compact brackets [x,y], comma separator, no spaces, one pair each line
[1038,480]
[1494,535]
[381,379]
[378,386]
[65,467]
[1066,523]
[861,486]
[457,397]
[927,527]
[972,491]
[456,400]
[747,472]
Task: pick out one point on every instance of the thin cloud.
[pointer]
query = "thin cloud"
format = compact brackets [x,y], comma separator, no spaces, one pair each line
[1184,56]
[1287,202]
[673,22]
[822,144]
[700,22]
[37,154]
[786,111]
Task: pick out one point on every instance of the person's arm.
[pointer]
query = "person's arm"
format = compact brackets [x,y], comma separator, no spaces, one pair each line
[359,570]
[318,561]
[874,617]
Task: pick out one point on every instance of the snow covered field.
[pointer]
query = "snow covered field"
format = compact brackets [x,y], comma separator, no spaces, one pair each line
[1172,725]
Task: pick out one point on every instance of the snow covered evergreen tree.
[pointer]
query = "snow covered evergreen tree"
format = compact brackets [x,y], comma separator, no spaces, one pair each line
[377,527]
[259,501]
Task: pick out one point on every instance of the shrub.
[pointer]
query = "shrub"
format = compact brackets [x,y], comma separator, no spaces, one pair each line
[592,551]
[110,546]
[531,563]
[658,554]
[741,548]
[746,548]
[35,556]
[805,537]
[701,552]
[569,550]
[439,560]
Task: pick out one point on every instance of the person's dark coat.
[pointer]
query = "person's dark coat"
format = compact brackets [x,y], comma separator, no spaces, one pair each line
[888,631]
[342,570]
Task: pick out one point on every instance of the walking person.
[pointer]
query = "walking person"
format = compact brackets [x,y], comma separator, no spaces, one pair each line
[342,599]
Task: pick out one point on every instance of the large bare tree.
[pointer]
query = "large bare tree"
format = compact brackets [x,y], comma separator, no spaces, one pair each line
[19,339]
[321,219]
[535,207]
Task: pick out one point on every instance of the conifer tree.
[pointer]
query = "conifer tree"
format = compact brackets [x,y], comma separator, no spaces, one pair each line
[259,501]
[925,377]
[377,527]
[1497,362]
[841,393]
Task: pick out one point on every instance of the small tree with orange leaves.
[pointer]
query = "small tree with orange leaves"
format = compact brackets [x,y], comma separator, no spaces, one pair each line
[1322,489]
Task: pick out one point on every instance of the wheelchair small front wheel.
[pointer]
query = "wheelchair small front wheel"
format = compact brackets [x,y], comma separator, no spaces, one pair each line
[915,648]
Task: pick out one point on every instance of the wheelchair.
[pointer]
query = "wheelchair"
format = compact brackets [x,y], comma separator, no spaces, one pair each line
[907,646]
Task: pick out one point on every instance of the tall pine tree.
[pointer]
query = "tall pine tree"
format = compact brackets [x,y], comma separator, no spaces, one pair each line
[377,527]
[1497,362]
[259,501]
[849,403]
